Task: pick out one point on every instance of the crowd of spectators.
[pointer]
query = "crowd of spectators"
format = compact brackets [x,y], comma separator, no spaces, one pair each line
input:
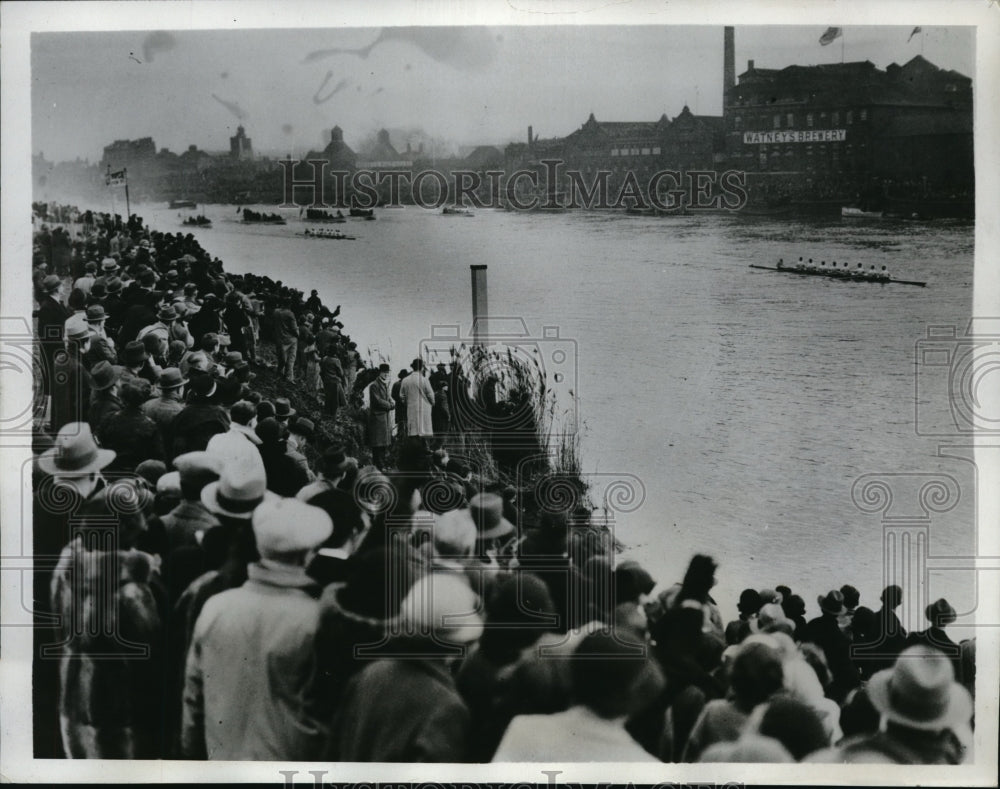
[206,590]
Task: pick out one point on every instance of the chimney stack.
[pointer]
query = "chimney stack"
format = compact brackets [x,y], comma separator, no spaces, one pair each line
[728,60]
[530,140]
[480,308]
[749,65]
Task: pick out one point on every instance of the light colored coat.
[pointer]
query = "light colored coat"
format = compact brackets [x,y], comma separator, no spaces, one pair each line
[251,671]
[416,392]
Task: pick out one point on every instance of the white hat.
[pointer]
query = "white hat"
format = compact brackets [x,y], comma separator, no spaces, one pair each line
[242,488]
[283,526]
[232,447]
[920,692]
[443,607]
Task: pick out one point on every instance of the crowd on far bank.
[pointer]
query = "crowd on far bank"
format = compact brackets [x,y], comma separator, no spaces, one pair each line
[291,602]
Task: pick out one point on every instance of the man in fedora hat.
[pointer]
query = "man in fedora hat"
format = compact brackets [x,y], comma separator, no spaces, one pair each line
[168,403]
[105,403]
[51,315]
[200,419]
[101,345]
[283,410]
[381,409]
[236,705]
[71,382]
[824,631]
[940,614]
[336,468]
[286,339]
[925,715]
[168,326]
[136,362]
[67,476]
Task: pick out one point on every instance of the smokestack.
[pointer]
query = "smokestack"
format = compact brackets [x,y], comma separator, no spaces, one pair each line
[480,308]
[529,136]
[749,65]
[728,59]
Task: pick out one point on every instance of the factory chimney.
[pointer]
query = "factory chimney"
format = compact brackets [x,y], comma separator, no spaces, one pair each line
[728,60]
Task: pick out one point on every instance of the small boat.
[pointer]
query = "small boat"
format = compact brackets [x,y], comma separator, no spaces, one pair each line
[183,204]
[333,235]
[363,213]
[841,274]
[455,211]
[850,212]
[197,221]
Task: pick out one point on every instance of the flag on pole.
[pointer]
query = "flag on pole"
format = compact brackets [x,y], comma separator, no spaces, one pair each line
[915,31]
[116,178]
[830,34]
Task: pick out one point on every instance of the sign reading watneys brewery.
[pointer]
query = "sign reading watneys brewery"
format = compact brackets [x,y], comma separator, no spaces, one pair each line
[812,135]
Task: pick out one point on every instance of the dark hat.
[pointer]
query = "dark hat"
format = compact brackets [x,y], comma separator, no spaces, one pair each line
[50,283]
[384,368]
[98,290]
[833,603]
[302,426]
[940,613]
[335,461]
[167,313]
[147,278]
[90,265]
[171,378]
[114,284]
[74,452]
[232,358]
[920,692]
[750,602]
[96,313]
[135,352]
[269,431]
[109,264]
[203,386]
[283,408]
[171,276]
[104,375]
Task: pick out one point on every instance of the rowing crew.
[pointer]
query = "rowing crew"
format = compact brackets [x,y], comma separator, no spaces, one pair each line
[833,270]
[324,233]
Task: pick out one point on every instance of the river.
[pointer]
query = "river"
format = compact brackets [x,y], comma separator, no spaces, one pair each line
[747,402]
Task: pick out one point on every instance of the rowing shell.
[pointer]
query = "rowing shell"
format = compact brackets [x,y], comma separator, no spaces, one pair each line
[830,275]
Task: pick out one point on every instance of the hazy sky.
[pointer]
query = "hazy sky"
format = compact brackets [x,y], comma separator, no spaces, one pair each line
[467,85]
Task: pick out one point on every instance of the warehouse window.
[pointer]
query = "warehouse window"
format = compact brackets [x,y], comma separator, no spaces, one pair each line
[791,119]
[809,120]
[850,117]
[863,115]
[777,121]
[645,151]
[737,122]
[656,150]
[835,118]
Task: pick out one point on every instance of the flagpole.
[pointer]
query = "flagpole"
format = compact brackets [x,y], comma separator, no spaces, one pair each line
[841,47]
[128,209]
